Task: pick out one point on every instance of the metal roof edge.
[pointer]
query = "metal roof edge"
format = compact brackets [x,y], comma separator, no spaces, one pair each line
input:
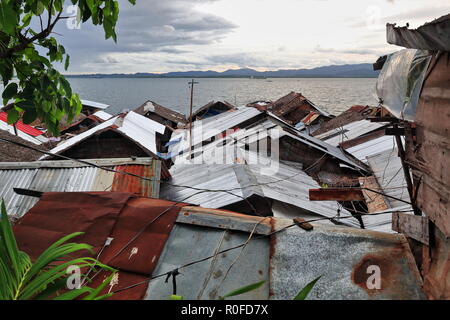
[75,164]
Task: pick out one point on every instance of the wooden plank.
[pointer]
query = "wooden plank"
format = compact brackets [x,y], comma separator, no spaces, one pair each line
[303,224]
[375,202]
[395,131]
[412,226]
[336,194]
[362,139]
[224,220]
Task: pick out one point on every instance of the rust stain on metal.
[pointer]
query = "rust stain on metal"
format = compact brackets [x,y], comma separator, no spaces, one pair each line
[272,244]
[388,271]
[126,183]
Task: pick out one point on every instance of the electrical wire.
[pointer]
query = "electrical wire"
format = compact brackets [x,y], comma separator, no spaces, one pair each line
[245,243]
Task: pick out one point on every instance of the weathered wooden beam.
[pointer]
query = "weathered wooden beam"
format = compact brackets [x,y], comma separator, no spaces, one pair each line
[412,226]
[383,119]
[28,192]
[336,194]
[362,139]
[395,131]
[303,224]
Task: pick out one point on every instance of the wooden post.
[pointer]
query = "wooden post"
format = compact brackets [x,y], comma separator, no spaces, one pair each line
[192,83]
[405,166]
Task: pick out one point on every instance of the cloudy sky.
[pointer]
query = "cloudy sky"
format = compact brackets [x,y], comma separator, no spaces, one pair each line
[180,35]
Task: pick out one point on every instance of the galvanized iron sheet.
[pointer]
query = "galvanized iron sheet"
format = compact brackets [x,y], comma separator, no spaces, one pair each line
[67,176]
[188,243]
[341,256]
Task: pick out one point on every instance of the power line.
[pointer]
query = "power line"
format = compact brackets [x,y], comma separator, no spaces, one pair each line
[245,243]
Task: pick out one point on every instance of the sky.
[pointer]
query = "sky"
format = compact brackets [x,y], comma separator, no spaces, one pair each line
[180,35]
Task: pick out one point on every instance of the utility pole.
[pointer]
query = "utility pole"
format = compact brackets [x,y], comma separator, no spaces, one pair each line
[192,83]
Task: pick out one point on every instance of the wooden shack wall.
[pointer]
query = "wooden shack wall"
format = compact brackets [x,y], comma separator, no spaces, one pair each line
[428,153]
[106,145]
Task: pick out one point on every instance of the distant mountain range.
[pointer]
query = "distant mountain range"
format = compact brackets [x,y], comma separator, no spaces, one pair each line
[362,70]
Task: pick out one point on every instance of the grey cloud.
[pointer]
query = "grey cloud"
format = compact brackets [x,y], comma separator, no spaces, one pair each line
[363,51]
[149,26]
[420,14]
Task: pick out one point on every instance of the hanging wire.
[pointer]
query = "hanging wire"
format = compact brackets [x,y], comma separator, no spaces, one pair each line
[245,243]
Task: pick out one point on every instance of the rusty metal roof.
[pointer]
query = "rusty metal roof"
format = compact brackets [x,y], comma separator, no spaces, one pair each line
[100,216]
[166,113]
[70,176]
[286,260]
[434,35]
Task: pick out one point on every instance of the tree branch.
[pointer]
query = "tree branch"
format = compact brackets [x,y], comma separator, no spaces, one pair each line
[26,41]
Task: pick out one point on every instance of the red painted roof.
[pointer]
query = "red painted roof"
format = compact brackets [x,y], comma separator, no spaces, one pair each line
[22,126]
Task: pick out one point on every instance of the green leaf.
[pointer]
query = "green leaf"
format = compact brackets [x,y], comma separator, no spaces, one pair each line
[8,17]
[306,290]
[99,289]
[73,294]
[66,64]
[29,116]
[13,116]
[175,297]
[10,91]
[243,290]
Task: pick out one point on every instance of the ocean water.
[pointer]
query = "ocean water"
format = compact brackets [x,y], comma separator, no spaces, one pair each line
[333,94]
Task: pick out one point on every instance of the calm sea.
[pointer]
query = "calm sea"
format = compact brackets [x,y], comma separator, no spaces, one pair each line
[335,95]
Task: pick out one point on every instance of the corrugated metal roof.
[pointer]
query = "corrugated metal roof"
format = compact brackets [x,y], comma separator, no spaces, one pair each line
[272,126]
[387,168]
[434,35]
[22,126]
[286,260]
[69,176]
[291,259]
[36,140]
[342,257]
[94,104]
[166,113]
[203,130]
[134,126]
[381,154]
[366,149]
[349,131]
[383,222]
[100,216]
[285,184]
[103,115]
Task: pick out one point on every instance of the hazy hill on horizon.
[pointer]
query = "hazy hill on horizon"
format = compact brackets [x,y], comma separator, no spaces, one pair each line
[362,70]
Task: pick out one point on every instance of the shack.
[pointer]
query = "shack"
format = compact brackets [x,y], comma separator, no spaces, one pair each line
[295,108]
[421,103]
[212,108]
[126,135]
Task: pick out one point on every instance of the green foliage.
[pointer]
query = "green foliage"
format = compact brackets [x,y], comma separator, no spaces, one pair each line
[41,91]
[20,279]
[243,290]
[306,290]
